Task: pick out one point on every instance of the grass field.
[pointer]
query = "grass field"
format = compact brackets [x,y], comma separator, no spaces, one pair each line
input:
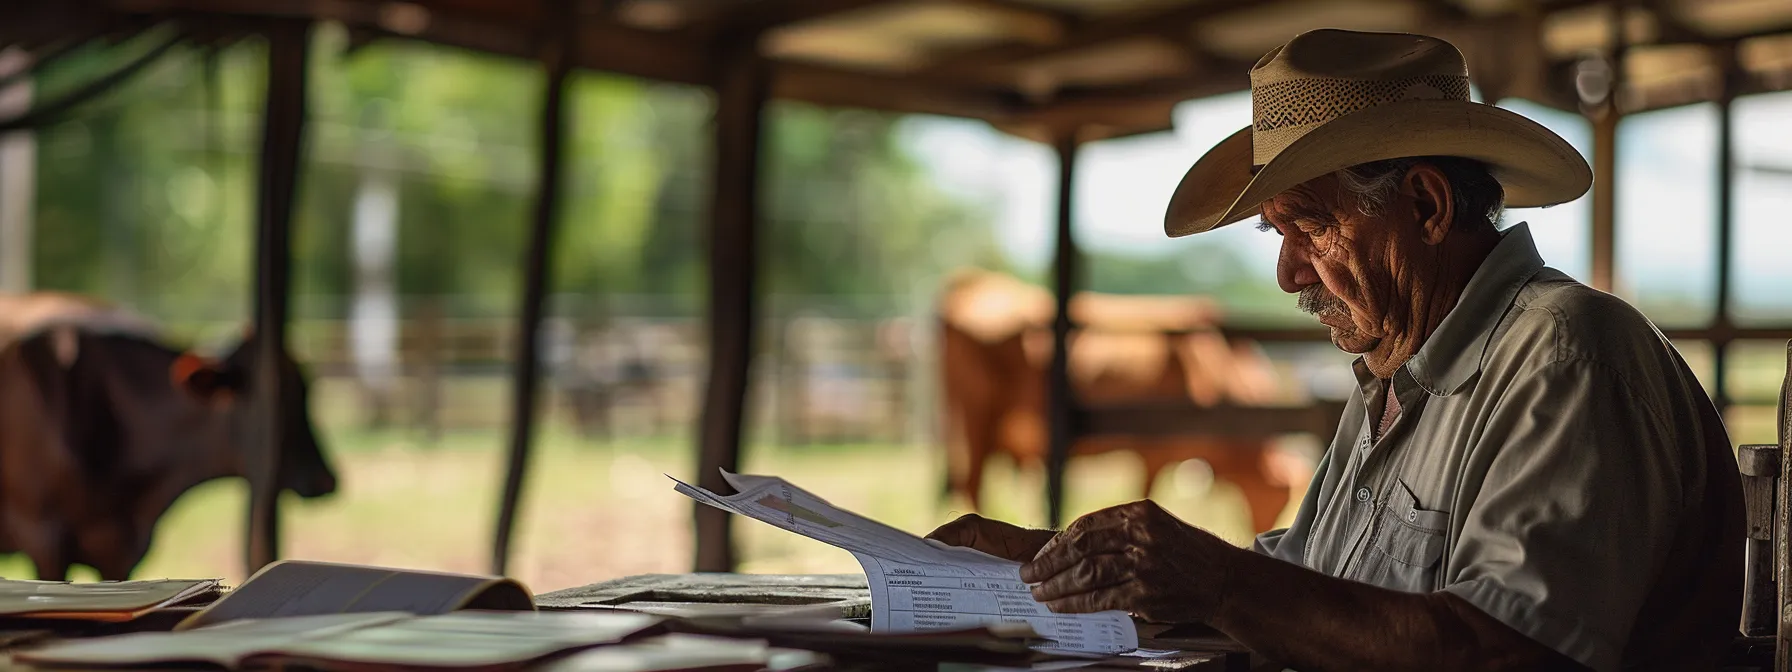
[598,511]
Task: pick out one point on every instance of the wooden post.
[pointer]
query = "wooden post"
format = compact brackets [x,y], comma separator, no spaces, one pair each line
[1605,116]
[526,364]
[1782,536]
[1722,326]
[1062,412]
[1760,465]
[741,90]
[283,123]
[1605,197]
[18,172]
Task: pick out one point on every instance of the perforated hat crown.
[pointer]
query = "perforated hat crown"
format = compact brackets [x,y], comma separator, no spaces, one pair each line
[1331,99]
[1326,74]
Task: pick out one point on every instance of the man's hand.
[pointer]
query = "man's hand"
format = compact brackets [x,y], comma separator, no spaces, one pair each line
[994,537]
[1136,558]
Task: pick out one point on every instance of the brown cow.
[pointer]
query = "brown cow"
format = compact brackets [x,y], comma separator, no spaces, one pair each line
[994,356]
[102,428]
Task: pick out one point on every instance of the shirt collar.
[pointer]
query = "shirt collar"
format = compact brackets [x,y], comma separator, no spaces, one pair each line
[1453,353]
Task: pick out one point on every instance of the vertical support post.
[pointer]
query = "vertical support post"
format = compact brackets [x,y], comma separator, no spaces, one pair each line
[1062,416]
[1605,197]
[557,58]
[1606,116]
[1760,465]
[1723,327]
[289,47]
[1782,528]
[741,91]
[18,172]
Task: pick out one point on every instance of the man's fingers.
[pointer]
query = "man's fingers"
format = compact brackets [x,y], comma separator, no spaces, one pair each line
[1105,518]
[1093,573]
[1070,547]
[958,531]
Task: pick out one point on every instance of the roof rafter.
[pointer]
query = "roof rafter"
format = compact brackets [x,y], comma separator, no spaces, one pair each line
[1093,33]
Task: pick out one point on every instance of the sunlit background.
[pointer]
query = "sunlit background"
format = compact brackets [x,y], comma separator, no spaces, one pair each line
[411,229]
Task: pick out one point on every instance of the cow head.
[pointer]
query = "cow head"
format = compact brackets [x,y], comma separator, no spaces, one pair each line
[228,386]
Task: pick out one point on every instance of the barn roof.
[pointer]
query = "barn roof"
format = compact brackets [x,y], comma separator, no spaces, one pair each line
[1111,67]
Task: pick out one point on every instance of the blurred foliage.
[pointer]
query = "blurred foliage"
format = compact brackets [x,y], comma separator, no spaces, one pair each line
[147,196]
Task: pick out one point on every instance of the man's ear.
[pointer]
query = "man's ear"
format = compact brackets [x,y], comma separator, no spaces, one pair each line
[202,378]
[1433,202]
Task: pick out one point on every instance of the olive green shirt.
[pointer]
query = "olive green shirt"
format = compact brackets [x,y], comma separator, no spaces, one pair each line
[1555,464]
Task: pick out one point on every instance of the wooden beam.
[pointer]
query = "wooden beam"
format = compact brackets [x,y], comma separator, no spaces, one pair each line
[1061,412]
[537,271]
[733,271]
[283,123]
[822,85]
[1170,21]
[746,21]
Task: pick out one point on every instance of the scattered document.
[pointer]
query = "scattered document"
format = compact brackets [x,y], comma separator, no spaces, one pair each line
[109,601]
[467,640]
[918,584]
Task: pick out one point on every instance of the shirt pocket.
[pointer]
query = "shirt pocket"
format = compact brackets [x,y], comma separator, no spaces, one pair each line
[1408,546]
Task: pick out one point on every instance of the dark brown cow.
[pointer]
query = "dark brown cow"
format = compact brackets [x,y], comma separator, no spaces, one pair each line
[994,356]
[102,428]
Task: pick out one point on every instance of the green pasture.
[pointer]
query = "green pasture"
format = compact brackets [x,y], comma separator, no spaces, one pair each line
[595,511]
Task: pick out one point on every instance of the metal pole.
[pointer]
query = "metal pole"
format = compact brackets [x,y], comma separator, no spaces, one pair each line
[289,45]
[526,365]
[1062,413]
[733,270]
[1726,175]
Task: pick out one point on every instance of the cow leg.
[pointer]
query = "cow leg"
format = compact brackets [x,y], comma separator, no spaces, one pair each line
[49,553]
[976,439]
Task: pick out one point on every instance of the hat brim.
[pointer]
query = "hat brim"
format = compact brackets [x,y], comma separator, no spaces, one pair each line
[1535,166]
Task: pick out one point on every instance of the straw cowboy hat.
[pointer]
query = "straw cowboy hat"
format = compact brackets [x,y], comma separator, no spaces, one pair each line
[1332,99]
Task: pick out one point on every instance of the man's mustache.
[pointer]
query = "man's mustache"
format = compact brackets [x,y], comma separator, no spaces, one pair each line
[1315,299]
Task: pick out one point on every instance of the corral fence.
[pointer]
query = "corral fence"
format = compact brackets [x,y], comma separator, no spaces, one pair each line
[613,366]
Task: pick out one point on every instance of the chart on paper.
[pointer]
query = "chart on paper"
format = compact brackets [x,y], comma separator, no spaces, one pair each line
[916,584]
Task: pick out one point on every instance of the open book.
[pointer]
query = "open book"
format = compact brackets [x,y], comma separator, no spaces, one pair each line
[305,588]
[918,584]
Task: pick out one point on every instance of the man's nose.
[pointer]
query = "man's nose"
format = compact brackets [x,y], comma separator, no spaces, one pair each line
[1294,272]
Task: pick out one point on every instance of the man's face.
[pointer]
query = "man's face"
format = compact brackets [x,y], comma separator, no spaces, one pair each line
[1344,265]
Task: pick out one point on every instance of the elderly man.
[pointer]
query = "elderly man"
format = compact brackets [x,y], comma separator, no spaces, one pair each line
[1528,476]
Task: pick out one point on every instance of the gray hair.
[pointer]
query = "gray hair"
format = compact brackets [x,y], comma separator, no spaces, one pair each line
[1479,198]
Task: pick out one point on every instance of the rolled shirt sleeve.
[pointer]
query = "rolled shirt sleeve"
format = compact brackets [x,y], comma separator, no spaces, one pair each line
[1573,520]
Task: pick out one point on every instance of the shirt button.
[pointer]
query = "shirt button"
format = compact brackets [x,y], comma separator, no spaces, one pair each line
[1412,516]
[1363,494]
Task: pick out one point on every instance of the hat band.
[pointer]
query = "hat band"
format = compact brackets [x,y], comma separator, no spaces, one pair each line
[1283,111]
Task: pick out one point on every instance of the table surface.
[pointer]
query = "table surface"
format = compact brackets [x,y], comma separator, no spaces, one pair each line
[691,595]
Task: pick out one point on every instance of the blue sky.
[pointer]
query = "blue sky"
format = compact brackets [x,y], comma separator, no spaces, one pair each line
[1667,210]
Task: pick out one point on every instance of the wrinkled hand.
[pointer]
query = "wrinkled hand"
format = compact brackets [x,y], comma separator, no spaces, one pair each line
[994,537]
[1137,558]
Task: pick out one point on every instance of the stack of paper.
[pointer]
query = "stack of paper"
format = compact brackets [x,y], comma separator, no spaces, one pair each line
[917,584]
[467,640]
[113,601]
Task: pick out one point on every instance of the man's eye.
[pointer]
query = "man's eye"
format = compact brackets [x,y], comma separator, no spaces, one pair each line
[1314,228]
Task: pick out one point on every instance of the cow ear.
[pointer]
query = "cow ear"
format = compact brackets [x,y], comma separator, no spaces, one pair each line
[199,376]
